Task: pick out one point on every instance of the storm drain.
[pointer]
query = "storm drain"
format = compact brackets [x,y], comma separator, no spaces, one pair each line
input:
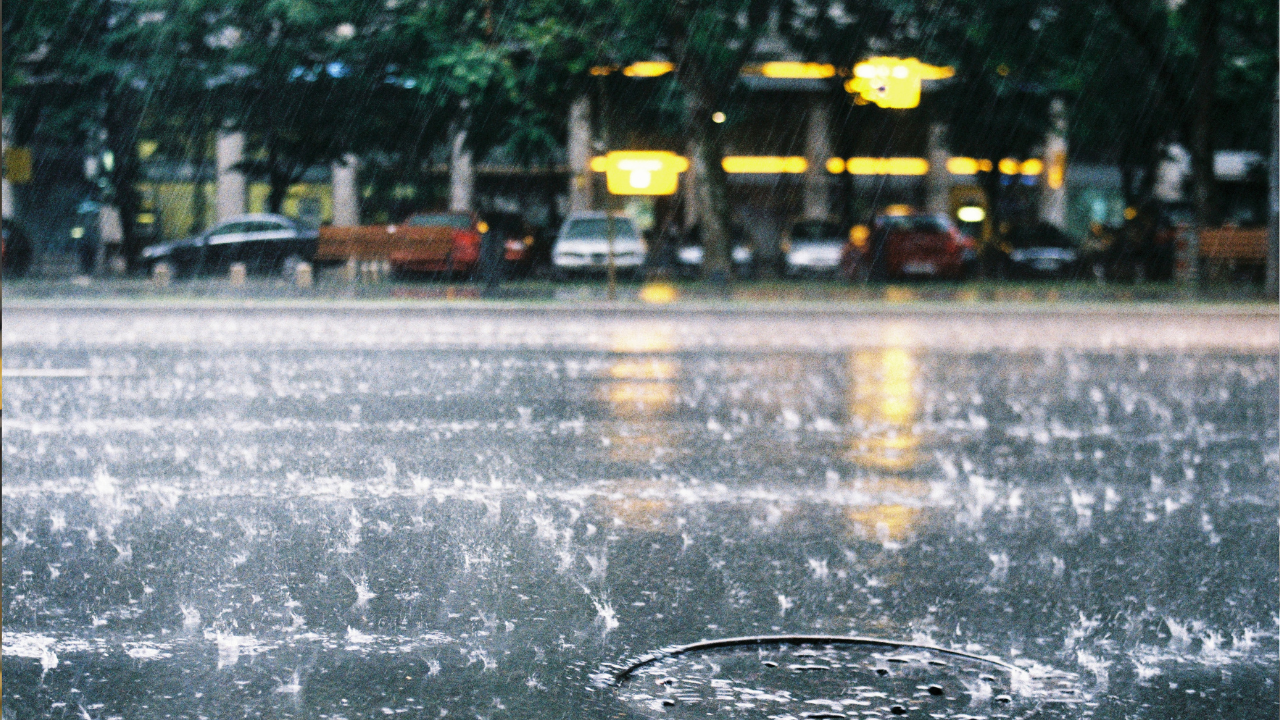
[834,678]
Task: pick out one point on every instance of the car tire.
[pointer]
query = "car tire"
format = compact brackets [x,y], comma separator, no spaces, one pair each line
[288,266]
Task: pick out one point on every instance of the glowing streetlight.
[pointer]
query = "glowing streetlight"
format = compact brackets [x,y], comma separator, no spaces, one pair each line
[893,82]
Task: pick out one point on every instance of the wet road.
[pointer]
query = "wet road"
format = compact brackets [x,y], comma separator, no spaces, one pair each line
[350,513]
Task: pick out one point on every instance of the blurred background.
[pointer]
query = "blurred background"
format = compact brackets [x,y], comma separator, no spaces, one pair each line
[1104,140]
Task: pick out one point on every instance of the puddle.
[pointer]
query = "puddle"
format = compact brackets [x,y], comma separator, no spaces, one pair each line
[831,678]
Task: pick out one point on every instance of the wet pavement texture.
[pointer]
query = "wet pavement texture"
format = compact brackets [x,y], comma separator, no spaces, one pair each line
[235,513]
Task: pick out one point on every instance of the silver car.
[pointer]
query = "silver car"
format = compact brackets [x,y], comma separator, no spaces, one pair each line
[583,244]
[813,247]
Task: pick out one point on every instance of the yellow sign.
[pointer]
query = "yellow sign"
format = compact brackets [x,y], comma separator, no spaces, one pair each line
[647,69]
[798,70]
[17,165]
[764,164]
[967,166]
[887,166]
[893,82]
[641,172]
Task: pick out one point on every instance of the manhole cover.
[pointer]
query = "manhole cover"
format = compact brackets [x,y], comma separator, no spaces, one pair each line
[834,678]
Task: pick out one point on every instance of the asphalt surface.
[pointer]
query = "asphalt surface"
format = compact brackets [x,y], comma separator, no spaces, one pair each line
[366,511]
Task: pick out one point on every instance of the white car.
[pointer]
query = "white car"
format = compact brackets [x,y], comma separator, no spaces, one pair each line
[813,247]
[583,243]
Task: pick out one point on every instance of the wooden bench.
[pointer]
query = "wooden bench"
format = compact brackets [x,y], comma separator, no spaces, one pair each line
[1234,244]
[384,242]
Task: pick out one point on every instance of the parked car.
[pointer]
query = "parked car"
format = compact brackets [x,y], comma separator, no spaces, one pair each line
[262,241]
[583,245]
[915,246]
[1039,251]
[463,229]
[15,248]
[813,247]
[689,254]
[518,238]
[1142,248]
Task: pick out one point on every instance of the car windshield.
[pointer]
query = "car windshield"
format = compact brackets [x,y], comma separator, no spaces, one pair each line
[597,228]
[915,223]
[449,220]
[815,230]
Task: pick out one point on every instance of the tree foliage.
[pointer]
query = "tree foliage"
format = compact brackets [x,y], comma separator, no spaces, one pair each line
[312,80]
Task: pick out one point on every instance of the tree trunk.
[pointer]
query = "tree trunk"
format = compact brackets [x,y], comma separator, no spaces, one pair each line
[710,196]
[1202,97]
[279,179]
[122,129]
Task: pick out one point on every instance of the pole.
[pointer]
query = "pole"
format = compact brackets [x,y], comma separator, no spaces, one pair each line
[609,233]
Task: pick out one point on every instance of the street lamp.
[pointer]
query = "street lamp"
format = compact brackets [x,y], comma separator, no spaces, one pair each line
[893,82]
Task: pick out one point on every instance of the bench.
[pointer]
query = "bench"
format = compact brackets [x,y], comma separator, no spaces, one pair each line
[1234,244]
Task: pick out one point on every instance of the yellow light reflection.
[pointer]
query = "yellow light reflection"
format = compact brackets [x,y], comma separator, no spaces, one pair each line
[659,293]
[1032,166]
[1009,166]
[883,401]
[641,393]
[883,522]
[835,166]
[637,504]
[642,369]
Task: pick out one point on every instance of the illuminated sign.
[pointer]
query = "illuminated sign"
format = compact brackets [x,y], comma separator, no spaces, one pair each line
[967,166]
[764,164]
[641,172]
[887,166]
[893,82]
[798,70]
[647,69]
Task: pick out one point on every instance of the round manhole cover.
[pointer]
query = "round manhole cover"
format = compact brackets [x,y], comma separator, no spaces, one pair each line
[834,678]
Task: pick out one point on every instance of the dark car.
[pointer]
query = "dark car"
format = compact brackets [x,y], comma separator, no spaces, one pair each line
[1140,249]
[519,241]
[1039,251]
[16,249]
[263,242]
[689,254]
[914,246]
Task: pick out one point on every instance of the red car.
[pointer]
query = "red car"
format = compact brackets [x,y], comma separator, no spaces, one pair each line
[463,229]
[912,246]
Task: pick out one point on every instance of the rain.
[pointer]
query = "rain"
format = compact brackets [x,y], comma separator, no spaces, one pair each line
[292,519]
[640,359]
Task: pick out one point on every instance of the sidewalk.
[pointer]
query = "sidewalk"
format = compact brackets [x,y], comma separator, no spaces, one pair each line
[593,292]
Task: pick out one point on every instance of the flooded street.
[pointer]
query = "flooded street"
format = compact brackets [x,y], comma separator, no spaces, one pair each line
[307,513]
